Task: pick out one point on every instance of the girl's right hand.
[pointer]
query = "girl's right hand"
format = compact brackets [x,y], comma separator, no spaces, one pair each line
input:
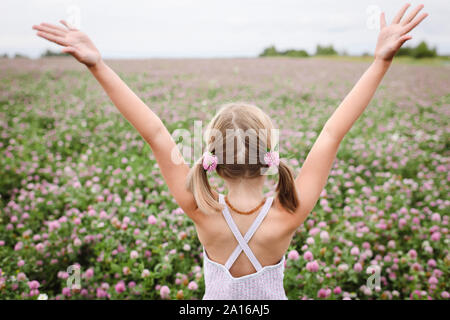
[74,41]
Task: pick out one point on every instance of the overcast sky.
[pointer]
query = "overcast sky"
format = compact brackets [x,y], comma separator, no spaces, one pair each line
[214,28]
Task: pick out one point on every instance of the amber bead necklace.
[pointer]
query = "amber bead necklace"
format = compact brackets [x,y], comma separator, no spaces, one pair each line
[244,212]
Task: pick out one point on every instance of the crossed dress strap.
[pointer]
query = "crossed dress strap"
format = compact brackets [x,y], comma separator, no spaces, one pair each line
[243,240]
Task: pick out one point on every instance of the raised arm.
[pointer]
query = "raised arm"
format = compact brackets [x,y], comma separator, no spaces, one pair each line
[146,122]
[314,173]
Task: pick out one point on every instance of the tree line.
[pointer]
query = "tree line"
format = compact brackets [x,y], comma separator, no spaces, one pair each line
[47,53]
[422,50]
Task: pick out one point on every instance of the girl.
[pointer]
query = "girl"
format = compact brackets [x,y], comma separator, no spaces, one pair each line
[244,235]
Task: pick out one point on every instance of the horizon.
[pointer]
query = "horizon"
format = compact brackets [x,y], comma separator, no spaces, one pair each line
[343,53]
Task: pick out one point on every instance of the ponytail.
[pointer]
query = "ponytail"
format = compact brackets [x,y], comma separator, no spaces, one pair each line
[286,191]
[197,183]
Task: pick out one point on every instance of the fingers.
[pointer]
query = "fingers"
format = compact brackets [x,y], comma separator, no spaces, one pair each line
[52,38]
[412,14]
[382,20]
[400,14]
[71,50]
[64,22]
[45,24]
[50,30]
[401,41]
[405,38]
[415,22]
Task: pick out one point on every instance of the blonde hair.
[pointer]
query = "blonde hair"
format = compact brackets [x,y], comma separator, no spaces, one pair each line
[245,121]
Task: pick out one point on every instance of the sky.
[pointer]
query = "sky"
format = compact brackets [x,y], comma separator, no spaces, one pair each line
[215,28]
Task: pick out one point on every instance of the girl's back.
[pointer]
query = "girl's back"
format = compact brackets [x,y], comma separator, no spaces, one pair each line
[258,281]
[269,242]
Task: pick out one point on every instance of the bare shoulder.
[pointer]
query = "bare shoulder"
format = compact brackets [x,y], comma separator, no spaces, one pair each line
[287,220]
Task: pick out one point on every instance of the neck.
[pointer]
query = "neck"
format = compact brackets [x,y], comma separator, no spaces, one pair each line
[245,194]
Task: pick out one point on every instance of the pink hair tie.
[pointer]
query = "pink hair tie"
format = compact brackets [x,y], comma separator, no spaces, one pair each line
[272,158]
[209,161]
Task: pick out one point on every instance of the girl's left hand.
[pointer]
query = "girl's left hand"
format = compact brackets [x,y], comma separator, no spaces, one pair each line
[393,36]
